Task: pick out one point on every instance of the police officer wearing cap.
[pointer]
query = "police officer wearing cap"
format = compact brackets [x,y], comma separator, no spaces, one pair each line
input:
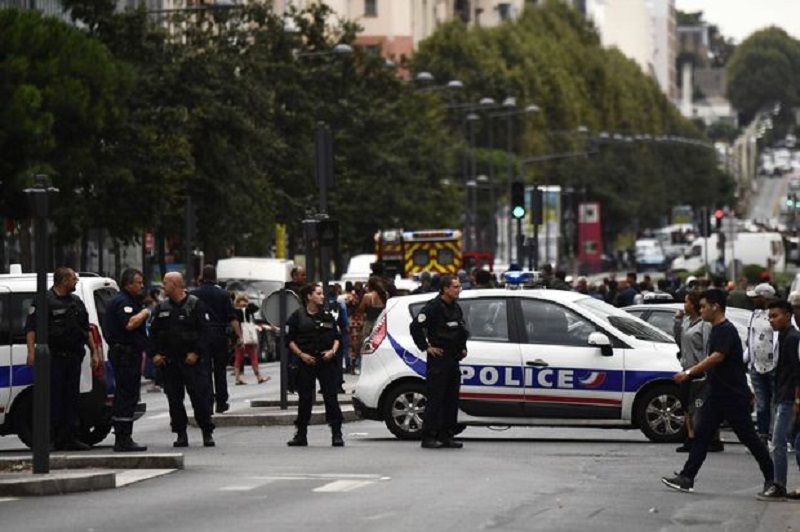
[124,328]
[178,330]
[68,324]
[313,338]
[439,330]
[222,314]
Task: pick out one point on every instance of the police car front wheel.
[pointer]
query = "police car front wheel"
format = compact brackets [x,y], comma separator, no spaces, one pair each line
[660,414]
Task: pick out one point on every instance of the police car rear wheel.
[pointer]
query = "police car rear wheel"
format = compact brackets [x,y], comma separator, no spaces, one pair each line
[23,417]
[403,410]
[661,415]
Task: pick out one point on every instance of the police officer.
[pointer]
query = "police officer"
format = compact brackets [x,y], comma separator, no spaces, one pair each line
[313,337]
[124,328]
[68,324]
[439,330]
[220,307]
[178,331]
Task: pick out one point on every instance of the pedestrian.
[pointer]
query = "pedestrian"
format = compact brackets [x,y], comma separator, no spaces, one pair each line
[245,315]
[68,334]
[483,279]
[179,330]
[220,309]
[372,304]
[313,338]
[728,396]
[150,371]
[737,296]
[298,275]
[760,355]
[356,321]
[787,394]
[339,310]
[691,334]
[439,331]
[626,295]
[125,331]
[424,283]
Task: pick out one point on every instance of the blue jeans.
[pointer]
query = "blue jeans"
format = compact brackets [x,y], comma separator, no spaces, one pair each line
[782,429]
[764,388]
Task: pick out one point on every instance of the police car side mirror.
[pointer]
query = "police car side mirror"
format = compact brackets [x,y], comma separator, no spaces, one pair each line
[598,339]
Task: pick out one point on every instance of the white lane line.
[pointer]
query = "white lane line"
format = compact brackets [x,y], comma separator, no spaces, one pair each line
[321,476]
[339,486]
[238,488]
[130,476]
[8,499]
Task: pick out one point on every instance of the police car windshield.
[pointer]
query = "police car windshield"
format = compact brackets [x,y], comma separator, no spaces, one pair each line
[623,321]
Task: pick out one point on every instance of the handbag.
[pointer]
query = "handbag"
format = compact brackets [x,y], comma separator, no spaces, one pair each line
[249,330]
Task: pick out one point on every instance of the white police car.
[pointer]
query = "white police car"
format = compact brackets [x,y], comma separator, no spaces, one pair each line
[17,293]
[535,357]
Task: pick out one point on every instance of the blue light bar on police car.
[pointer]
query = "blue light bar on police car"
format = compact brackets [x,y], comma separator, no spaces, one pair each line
[517,277]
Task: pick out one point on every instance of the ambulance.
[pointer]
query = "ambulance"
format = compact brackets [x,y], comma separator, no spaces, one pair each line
[405,253]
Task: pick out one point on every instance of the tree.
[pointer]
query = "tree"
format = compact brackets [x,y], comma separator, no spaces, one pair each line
[765,70]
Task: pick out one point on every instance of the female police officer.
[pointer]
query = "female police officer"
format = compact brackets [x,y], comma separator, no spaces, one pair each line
[313,338]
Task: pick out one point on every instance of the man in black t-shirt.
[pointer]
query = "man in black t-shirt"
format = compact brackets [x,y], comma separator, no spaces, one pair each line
[728,397]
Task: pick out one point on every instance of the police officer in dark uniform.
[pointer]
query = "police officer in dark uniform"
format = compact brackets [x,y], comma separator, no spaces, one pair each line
[296,284]
[68,324]
[178,331]
[220,307]
[313,337]
[439,330]
[125,330]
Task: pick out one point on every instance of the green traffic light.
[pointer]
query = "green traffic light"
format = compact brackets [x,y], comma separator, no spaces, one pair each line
[789,202]
[518,212]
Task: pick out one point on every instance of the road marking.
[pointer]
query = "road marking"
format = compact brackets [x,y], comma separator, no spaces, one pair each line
[322,476]
[339,486]
[238,488]
[130,476]
[8,499]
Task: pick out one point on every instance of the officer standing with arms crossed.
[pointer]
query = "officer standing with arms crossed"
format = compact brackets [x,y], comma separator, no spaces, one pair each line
[68,334]
[439,330]
[124,328]
[313,337]
[178,330]
[222,315]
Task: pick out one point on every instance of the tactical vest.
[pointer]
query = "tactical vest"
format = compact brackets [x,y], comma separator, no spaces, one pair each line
[180,335]
[65,334]
[315,333]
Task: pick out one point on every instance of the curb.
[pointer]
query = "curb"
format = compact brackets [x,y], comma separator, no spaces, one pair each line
[105,461]
[56,483]
[344,401]
[278,418]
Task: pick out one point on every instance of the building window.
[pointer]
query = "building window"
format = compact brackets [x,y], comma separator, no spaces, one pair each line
[370,8]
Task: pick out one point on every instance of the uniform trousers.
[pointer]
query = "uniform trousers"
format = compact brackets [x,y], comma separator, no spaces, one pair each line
[65,389]
[443,382]
[218,345]
[127,364]
[180,378]
[307,375]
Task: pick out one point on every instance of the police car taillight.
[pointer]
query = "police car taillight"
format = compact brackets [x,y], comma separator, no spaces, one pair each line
[100,370]
[377,336]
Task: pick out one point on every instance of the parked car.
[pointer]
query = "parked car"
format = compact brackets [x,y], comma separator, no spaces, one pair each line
[17,293]
[536,357]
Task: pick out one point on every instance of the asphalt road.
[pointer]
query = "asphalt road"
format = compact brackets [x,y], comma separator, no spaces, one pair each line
[515,479]
[770,192]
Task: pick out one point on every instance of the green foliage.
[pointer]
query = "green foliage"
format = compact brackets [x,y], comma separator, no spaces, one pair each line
[765,70]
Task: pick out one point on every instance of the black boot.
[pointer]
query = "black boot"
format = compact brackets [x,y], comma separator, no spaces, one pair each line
[125,444]
[182,440]
[336,434]
[208,439]
[300,438]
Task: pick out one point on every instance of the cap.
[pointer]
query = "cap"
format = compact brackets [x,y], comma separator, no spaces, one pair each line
[762,290]
[691,279]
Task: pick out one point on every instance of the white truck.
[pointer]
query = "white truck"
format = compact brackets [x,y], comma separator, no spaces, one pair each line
[764,249]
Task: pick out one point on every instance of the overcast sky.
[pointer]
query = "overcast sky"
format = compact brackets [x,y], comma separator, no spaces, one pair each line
[740,18]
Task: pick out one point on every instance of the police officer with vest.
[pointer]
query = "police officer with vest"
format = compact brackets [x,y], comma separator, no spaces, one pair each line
[178,331]
[68,324]
[125,330]
[313,337]
[439,330]
[220,307]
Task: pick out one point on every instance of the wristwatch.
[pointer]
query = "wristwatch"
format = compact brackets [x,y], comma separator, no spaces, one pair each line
[797,401]
[687,371]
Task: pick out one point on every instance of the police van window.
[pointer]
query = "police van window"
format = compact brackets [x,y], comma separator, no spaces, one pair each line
[445,257]
[421,257]
[551,324]
[102,297]
[19,308]
[5,327]
[486,319]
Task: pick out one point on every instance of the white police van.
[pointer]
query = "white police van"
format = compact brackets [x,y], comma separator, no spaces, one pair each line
[17,293]
[535,357]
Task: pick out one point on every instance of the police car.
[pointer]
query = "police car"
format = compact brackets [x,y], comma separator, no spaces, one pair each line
[17,294]
[536,357]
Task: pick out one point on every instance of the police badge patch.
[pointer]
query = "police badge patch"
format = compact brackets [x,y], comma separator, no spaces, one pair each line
[421,318]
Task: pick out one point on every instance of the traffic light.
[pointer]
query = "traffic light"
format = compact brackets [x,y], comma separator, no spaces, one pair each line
[791,201]
[719,214]
[518,200]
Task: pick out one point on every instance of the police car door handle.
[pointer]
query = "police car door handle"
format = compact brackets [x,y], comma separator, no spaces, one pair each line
[539,363]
